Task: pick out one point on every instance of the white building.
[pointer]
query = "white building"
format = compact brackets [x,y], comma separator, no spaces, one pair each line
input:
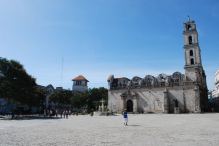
[215,92]
[80,84]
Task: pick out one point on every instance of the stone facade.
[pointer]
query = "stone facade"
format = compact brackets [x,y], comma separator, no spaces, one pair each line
[214,95]
[215,92]
[176,93]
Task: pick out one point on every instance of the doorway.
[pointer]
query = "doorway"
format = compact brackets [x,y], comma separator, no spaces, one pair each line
[129,106]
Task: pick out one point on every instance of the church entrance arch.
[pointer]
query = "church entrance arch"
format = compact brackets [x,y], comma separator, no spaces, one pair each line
[129,106]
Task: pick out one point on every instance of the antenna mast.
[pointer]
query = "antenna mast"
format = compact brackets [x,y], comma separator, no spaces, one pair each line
[62,62]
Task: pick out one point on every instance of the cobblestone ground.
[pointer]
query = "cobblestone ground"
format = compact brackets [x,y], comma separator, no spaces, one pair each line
[148,129]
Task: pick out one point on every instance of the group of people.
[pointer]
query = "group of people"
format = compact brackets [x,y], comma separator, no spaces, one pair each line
[66,113]
[54,112]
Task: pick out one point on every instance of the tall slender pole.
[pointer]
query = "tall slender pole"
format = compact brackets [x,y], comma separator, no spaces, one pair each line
[62,64]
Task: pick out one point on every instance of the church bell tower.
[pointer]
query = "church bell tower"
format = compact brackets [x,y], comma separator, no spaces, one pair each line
[194,71]
[193,63]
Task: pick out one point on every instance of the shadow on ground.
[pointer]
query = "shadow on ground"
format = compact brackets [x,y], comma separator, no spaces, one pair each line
[27,117]
[134,125]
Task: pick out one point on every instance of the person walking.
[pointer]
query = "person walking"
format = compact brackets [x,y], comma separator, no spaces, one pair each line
[66,114]
[125,116]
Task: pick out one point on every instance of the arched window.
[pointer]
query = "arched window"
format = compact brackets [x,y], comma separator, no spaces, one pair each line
[189,27]
[190,40]
[192,61]
[191,52]
[78,83]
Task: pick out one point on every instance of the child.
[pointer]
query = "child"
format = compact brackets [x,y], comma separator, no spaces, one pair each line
[125,116]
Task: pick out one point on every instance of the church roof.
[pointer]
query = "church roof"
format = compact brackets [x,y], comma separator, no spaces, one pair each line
[123,78]
[80,78]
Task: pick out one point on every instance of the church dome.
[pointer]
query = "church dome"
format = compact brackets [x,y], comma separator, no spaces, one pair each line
[110,78]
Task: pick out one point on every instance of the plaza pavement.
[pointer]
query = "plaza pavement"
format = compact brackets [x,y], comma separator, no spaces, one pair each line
[143,130]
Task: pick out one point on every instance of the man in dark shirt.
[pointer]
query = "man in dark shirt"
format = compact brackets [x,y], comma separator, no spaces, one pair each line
[125,116]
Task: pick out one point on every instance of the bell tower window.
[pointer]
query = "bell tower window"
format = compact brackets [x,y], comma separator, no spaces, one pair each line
[189,27]
[191,52]
[78,83]
[190,40]
[192,61]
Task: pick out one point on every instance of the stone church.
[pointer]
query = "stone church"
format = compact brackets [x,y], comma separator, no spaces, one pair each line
[176,93]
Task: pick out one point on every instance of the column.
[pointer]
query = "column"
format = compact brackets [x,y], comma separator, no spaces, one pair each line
[197,100]
[184,102]
[166,102]
[123,103]
[135,105]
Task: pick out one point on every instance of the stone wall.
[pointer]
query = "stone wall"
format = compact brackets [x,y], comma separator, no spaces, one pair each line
[153,100]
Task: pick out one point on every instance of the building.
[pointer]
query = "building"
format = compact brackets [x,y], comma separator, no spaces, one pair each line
[80,84]
[214,95]
[215,92]
[49,90]
[176,93]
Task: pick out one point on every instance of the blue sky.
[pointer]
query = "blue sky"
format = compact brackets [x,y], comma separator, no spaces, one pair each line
[97,38]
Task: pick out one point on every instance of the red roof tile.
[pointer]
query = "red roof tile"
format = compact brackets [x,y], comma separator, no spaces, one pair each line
[80,78]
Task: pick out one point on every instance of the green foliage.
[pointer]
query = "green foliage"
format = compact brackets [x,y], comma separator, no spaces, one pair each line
[79,100]
[39,97]
[95,96]
[61,98]
[87,101]
[16,85]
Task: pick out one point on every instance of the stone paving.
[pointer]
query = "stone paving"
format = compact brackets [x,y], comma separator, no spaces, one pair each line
[143,130]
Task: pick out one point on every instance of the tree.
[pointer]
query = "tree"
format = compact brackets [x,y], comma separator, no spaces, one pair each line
[79,100]
[17,86]
[61,98]
[89,100]
[95,95]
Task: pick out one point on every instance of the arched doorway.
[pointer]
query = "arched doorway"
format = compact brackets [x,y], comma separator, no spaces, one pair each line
[129,106]
[176,104]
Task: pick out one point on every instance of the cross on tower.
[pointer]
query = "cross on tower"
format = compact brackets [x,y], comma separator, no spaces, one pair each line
[188,18]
